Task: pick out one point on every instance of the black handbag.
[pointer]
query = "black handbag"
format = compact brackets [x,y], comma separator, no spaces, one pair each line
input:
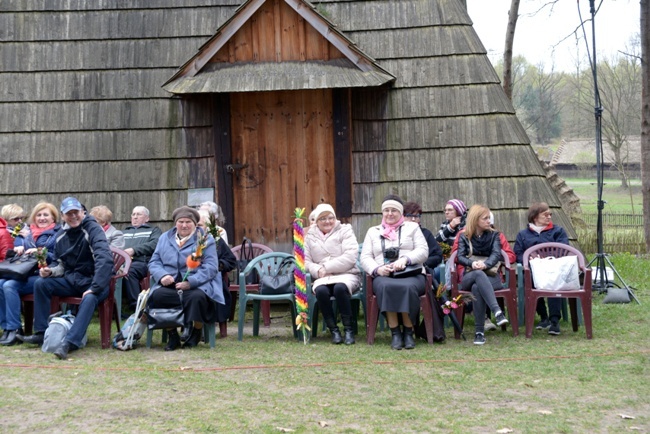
[245,256]
[20,267]
[408,271]
[165,317]
[279,283]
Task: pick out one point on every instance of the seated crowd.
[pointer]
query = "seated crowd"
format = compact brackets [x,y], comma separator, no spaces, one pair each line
[76,260]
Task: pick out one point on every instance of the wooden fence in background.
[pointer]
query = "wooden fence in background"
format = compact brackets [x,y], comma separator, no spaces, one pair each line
[627,221]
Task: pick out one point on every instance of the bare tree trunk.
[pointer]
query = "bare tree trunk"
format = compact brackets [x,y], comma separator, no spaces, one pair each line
[513,14]
[645,119]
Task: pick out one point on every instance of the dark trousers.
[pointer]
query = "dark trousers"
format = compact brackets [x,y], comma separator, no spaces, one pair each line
[131,284]
[482,287]
[341,294]
[45,288]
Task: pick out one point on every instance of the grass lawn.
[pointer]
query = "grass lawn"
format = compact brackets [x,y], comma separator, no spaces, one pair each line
[617,199]
[563,384]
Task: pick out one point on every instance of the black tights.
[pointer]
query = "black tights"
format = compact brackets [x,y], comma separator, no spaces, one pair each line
[341,294]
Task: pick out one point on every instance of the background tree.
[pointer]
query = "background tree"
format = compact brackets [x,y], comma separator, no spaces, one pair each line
[645,119]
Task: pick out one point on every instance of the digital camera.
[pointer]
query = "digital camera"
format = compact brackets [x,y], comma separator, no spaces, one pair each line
[391,254]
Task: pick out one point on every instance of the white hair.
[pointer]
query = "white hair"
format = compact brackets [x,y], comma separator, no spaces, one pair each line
[141,208]
[214,210]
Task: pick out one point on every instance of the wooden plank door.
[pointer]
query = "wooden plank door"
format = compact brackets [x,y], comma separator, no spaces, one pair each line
[283,152]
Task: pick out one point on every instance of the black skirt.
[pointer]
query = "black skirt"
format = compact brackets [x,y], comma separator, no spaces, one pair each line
[197,306]
[400,295]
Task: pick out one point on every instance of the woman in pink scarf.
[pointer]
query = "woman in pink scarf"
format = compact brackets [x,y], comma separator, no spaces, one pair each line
[389,247]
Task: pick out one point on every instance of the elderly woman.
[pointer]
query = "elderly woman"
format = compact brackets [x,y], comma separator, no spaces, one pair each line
[215,210]
[104,217]
[331,251]
[541,230]
[390,247]
[201,287]
[480,239]
[455,210]
[227,263]
[43,225]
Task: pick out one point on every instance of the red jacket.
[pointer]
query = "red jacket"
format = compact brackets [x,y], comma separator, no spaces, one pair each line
[6,241]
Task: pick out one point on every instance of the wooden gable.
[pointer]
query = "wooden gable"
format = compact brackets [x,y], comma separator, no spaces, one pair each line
[277,45]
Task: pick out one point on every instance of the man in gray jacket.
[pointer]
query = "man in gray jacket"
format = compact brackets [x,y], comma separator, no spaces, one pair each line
[140,241]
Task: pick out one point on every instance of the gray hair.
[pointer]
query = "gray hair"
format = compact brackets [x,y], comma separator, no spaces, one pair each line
[214,210]
[142,209]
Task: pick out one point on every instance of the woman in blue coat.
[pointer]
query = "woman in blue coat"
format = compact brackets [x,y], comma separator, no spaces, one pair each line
[541,230]
[202,287]
[43,225]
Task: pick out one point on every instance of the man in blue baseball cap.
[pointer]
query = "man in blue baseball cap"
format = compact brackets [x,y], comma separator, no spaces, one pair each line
[82,267]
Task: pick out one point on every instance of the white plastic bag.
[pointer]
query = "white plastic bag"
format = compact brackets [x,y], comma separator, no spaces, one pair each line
[555,274]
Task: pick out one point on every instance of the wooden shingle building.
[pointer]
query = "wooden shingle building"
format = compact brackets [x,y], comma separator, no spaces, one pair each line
[263,105]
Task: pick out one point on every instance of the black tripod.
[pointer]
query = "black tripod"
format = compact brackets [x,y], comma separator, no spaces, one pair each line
[602,283]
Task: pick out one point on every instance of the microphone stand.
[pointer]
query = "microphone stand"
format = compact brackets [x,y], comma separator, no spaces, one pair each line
[602,283]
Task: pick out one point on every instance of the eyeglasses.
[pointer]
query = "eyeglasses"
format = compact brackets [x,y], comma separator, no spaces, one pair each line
[15,219]
[413,216]
[327,219]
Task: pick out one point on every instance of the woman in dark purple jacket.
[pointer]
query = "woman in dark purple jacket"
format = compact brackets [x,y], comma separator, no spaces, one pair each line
[541,230]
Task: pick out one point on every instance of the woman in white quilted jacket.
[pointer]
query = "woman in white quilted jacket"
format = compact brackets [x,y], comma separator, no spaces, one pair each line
[331,251]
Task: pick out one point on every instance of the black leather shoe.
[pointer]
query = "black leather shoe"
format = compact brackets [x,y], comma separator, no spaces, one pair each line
[409,342]
[11,339]
[62,351]
[4,335]
[194,339]
[173,340]
[349,336]
[397,342]
[336,336]
[36,339]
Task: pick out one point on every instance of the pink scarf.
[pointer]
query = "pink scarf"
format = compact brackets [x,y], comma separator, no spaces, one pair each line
[389,231]
[36,231]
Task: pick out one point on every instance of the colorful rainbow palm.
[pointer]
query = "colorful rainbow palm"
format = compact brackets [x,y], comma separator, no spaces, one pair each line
[302,306]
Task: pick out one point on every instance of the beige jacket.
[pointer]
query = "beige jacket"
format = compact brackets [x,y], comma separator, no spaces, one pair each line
[337,254]
[412,244]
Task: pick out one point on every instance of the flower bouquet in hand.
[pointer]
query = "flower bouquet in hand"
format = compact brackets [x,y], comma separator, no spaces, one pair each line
[41,257]
[16,231]
[448,306]
[193,260]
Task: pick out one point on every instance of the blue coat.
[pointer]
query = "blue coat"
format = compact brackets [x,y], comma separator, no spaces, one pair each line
[527,238]
[170,259]
[83,257]
[45,239]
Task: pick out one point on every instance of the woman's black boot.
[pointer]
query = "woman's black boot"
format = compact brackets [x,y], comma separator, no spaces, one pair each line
[409,342]
[347,329]
[194,339]
[336,335]
[398,341]
[173,340]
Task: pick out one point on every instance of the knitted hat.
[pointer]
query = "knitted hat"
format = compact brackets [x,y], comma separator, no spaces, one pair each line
[186,212]
[458,205]
[390,203]
[322,209]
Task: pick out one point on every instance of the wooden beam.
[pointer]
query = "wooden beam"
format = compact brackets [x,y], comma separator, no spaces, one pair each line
[342,152]
[223,156]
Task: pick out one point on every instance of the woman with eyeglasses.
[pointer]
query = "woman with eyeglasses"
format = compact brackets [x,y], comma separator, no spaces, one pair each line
[14,215]
[388,248]
[413,213]
[41,230]
[331,251]
[540,230]
[455,213]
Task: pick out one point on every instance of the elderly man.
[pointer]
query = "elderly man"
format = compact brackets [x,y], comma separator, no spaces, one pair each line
[82,267]
[140,241]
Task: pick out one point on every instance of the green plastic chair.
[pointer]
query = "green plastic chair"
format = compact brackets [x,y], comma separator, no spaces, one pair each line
[266,264]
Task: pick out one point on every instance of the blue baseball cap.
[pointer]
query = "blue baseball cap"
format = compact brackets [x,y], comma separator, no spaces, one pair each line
[70,203]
